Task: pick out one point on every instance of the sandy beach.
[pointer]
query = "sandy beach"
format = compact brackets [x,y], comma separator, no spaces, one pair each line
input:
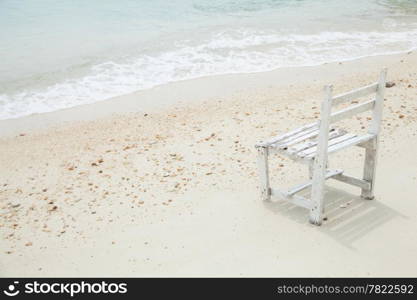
[164,182]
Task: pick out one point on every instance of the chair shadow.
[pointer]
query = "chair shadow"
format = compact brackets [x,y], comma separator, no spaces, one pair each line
[349,217]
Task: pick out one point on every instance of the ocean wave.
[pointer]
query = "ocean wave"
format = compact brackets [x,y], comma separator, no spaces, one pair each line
[228,52]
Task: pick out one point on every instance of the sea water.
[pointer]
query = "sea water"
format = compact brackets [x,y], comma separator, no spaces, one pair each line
[56,54]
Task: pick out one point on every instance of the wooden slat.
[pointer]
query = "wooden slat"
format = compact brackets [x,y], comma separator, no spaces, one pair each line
[297,148]
[365,185]
[296,140]
[299,136]
[307,184]
[351,140]
[297,200]
[333,141]
[351,111]
[357,93]
[294,157]
[309,144]
[280,138]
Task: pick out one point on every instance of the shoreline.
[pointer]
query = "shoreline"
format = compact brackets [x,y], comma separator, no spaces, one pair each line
[187,92]
[172,190]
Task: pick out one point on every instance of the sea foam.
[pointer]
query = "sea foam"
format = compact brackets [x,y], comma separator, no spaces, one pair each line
[225,52]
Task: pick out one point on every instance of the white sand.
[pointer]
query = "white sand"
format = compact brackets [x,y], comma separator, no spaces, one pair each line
[175,192]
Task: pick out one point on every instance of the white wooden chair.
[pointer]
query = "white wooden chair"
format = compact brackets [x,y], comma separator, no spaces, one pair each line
[311,144]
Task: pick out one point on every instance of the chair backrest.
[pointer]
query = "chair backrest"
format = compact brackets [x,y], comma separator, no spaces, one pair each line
[327,117]
[375,104]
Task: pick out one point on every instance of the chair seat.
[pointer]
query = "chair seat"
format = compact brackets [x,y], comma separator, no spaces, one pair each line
[301,144]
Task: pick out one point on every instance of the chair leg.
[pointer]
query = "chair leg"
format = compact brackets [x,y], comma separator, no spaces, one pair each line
[311,169]
[317,193]
[263,166]
[370,169]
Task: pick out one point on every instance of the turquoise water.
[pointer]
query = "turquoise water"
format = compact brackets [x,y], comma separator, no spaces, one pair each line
[56,54]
